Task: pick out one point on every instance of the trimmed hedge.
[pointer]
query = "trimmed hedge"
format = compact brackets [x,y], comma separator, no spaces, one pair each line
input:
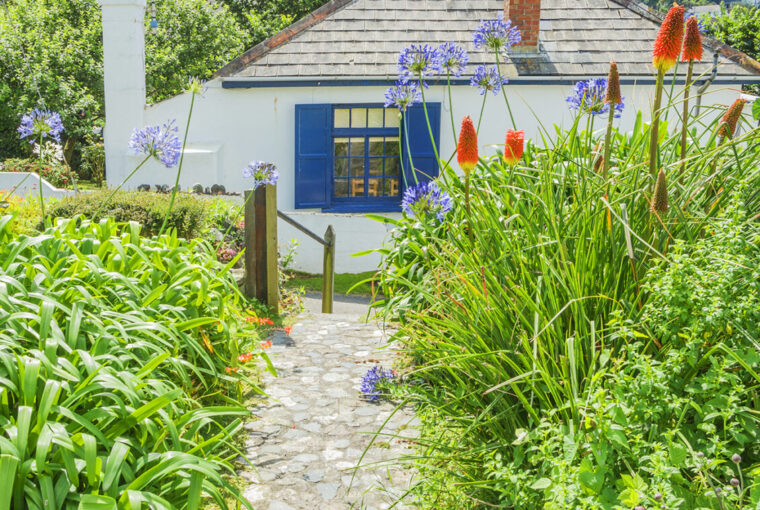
[147,209]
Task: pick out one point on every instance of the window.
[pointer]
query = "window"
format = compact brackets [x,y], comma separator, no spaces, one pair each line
[366,159]
[348,158]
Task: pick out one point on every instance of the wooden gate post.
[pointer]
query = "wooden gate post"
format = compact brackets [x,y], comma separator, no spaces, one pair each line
[261,271]
[328,271]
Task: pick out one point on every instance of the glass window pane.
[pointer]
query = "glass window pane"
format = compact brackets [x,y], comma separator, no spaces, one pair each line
[392,118]
[341,167]
[358,117]
[375,188]
[357,167]
[341,147]
[375,117]
[391,146]
[342,118]
[341,187]
[357,187]
[391,187]
[392,167]
[376,166]
[376,146]
[357,147]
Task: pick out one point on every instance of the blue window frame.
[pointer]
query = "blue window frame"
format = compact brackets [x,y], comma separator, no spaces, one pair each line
[347,155]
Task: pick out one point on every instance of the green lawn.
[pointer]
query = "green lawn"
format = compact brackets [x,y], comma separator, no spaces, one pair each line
[343,282]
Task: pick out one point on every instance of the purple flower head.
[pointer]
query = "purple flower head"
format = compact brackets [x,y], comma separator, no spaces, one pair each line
[371,379]
[700,23]
[426,198]
[588,97]
[418,61]
[262,173]
[488,79]
[402,95]
[454,58]
[41,124]
[160,142]
[496,34]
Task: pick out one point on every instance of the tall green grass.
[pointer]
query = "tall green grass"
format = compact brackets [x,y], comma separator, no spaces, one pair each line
[113,349]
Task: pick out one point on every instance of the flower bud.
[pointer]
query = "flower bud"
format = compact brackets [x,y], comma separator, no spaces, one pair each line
[736,458]
[660,198]
[692,41]
[727,124]
[467,148]
[513,146]
[657,496]
[613,86]
[667,46]
[735,482]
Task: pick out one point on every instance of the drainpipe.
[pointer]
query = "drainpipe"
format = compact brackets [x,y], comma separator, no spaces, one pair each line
[707,82]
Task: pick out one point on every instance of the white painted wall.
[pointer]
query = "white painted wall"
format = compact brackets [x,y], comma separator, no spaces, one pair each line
[26,184]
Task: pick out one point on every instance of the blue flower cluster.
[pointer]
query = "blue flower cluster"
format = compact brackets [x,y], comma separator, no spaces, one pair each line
[588,97]
[700,23]
[263,173]
[453,58]
[426,198]
[496,34]
[371,379]
[488,79]
[403,94]
[160,142]
[419,61]
[41,124]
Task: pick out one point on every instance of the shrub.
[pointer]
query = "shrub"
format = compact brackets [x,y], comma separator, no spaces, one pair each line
[147,209]
[114,350]
[93,162]
[59,175]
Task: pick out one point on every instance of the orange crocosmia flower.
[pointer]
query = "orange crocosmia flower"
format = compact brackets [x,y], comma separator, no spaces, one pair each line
[467,148]
[232,370]
[245,358]
[513,146]
[667,46]
[288,329]
[266,345]
[692,41]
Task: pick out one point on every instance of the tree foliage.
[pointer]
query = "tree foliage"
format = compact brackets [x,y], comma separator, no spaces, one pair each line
[264,18]
[739,28]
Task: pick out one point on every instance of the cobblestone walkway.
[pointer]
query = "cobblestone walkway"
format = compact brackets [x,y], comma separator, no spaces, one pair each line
[312,431]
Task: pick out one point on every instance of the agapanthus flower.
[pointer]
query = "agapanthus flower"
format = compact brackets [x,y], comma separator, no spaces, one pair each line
[40,124]
[402,95]
[700,24]
[496,34]
[197,86]
[660,198]
[426,198]
[160,142]
[612,93]
[514,146]
[730,119]
[262,173]
[453,57]
[667,46]
[419,61]
[588,97]
[467,146]
[488,79]
[692,41]
[371,379]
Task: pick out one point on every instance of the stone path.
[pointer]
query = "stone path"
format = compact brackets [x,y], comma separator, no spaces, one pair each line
[312,431]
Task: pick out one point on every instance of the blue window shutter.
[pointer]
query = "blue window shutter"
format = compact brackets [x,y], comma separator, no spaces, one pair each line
[313,155]
[420,147]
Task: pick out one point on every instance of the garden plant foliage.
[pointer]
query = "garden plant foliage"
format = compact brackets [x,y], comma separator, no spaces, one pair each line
[114,358]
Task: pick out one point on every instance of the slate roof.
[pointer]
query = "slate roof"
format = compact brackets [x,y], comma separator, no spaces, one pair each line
[361,39]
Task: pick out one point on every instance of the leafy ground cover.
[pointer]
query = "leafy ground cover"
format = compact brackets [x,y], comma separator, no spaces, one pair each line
[345,283]
[120,367]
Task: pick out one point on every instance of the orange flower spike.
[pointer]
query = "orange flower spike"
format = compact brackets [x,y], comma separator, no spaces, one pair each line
[727,124]
[667,46]
[692,41]
[467,148]
[266,345]
[513,146]
[613,95]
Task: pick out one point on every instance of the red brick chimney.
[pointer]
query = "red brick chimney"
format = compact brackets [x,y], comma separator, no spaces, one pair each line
[525,15]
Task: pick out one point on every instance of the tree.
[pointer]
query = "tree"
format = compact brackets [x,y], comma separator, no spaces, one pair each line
[264,18]
[740,29]
[53,57]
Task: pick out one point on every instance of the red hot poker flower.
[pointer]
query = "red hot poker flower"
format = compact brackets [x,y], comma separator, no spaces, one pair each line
[513,146]
[692,41]
[727,124]
[667,46]
[467,148]
[613,86]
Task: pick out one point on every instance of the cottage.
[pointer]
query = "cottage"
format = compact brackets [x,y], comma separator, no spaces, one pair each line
[310,99]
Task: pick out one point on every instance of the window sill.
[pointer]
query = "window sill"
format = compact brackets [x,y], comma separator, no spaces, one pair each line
[362,208]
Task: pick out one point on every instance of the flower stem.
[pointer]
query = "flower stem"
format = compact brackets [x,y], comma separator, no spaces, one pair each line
[685,120]
[608,143]
[654,129]
[108,199]
[482,109]
[39,172]
[401,154]
[430,129]
[451,106]
[467,206]
[408,149]
[179,169]
[504,91]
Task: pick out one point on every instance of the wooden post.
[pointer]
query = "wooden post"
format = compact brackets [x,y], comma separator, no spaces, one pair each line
[261,271]
[328,271]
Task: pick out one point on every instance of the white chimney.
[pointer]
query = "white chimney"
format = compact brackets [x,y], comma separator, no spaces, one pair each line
[124,80]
